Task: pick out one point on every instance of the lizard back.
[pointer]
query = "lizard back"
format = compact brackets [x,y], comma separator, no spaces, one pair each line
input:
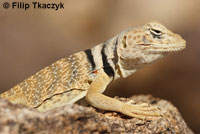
[48,85]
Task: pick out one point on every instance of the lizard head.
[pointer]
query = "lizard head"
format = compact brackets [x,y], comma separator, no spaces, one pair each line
[143,45]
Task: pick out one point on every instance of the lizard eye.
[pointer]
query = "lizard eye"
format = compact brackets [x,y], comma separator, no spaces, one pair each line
[155,32]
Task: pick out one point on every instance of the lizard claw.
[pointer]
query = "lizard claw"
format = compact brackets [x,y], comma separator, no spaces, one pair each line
[141,111]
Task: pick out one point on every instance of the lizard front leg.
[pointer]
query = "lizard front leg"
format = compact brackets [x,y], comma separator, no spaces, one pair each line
[95,98]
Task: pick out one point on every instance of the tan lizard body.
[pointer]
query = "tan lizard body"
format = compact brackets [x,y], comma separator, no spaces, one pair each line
[87,73]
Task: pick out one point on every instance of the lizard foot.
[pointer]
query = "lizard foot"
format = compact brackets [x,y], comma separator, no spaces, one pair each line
[141,111]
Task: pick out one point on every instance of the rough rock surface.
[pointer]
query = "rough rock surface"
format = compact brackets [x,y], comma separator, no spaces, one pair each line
[75,119]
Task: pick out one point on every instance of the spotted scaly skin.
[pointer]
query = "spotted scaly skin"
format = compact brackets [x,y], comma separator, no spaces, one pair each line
[62,76]
[88,73]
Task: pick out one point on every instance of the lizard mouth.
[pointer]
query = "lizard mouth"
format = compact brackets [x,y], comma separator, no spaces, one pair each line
[168,48]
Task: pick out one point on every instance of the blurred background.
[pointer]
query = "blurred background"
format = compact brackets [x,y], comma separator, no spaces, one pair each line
[31,40]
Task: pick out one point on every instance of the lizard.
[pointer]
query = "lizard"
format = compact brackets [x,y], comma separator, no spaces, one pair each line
[88,73]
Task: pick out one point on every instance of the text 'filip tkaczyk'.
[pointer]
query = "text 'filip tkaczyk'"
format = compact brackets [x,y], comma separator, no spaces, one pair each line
[37,5]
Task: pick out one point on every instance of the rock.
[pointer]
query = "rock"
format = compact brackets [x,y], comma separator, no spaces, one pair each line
[75,119]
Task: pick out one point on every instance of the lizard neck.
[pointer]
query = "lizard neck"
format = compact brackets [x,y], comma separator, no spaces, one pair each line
[105,56]
[111,60]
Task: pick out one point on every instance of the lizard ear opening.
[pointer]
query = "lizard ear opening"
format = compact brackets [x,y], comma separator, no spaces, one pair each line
[124,42]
